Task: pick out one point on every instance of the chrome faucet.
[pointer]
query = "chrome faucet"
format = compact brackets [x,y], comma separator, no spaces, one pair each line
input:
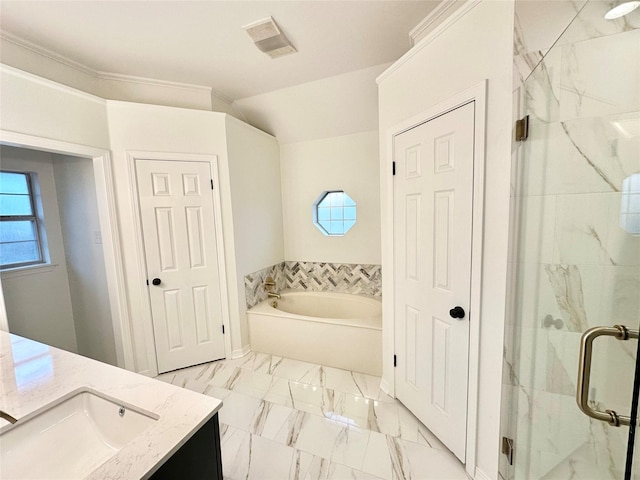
[7,417]
[269,285]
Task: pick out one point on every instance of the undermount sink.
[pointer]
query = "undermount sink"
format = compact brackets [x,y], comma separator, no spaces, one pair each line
[70,438]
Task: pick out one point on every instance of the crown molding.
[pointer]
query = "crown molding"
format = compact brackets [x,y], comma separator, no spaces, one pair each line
[119,77]
[437,16]
[37,79]
[45,52]
[453,16]
[107,76]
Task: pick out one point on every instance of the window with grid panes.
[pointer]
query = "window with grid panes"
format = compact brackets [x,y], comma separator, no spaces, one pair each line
[334,213]
[19,229]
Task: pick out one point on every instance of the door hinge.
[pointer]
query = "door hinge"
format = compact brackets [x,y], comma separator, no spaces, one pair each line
[212,184]
[223,329]
[393,168]
[522,129]
[508,449]
[395,360]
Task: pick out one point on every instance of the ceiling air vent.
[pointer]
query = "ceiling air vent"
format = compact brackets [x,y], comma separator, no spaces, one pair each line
[268,38]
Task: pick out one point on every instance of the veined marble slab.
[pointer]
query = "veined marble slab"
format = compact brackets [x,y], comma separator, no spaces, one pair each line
[33,375]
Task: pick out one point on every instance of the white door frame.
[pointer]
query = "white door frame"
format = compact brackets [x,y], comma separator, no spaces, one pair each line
[105,194]
[477,94]
[138,240]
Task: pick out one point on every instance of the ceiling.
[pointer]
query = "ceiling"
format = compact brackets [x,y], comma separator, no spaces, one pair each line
[202,42]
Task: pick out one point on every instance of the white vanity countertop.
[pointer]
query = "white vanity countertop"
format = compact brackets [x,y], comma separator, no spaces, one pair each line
[32,375]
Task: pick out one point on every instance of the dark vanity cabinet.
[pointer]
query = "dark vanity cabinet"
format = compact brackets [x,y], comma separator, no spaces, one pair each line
[199,458]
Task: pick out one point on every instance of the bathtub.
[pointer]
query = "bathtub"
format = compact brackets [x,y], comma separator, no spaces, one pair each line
[334,329]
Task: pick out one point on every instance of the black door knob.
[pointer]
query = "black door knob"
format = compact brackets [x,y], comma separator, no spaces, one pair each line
[457,312]
[156,281]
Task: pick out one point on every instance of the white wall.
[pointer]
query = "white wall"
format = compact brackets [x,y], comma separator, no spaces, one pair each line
[348,163]
[254,173]
[478,46]
[38,300]
[82,237]
[35,106]
[249,189]
[330,107]
[149,128]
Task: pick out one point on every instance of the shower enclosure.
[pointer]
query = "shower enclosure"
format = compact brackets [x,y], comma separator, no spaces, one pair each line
[575,256]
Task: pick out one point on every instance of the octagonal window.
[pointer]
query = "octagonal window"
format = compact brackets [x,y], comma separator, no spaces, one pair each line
[334,213]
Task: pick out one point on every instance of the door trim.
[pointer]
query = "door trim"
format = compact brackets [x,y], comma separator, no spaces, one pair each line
[141,267]
[477,94]
[107,213]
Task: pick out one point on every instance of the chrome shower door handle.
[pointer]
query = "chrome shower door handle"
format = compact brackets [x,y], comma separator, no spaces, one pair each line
[620,332]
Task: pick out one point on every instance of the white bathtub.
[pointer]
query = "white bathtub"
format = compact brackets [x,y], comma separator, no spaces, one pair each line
[334,329]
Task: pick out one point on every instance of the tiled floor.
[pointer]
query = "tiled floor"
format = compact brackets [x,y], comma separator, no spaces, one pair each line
[283,419]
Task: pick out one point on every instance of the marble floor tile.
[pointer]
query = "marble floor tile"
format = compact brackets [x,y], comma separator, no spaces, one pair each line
[426,437]
[350,447]
[270,418]
[258,362]
[392,458]
[234,444]
[377,459]
[254,384]
[293,369]
[311,433]
[439,464]
[279,392]
[323,469]
[311,398]
[290,420]
[216,392]
[315,376]
[357,411]
[219,374]
[251,457]
[238,410]
[352,382]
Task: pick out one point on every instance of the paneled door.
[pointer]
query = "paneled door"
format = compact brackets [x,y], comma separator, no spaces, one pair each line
[176,207]
[433,198]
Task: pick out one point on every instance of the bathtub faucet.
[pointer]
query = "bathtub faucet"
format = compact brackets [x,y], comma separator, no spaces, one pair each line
[269,285]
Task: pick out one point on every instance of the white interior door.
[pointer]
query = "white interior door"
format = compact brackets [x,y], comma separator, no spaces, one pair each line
[433,198]
[176,206]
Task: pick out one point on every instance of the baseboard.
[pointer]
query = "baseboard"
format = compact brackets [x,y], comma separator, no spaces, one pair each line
[480,475]
[241,352]
[386,388]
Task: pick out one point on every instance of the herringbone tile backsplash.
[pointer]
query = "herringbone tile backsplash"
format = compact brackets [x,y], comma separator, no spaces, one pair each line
[315,276]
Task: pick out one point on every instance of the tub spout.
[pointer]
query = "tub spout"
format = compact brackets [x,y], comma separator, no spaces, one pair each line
[269,285]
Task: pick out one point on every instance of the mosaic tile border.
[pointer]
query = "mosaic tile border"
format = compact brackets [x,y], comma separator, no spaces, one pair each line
[254,283]
[356,279]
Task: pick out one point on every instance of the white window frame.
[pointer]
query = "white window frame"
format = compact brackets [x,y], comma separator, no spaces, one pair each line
[34,217]
[318,223]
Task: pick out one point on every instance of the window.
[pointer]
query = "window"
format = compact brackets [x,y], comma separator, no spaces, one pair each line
[334,213]
[19,230]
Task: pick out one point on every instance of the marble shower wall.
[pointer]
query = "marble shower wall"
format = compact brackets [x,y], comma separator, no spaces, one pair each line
[350,278]
[573,263]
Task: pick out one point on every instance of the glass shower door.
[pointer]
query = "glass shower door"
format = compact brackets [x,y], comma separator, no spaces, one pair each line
[577,253]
